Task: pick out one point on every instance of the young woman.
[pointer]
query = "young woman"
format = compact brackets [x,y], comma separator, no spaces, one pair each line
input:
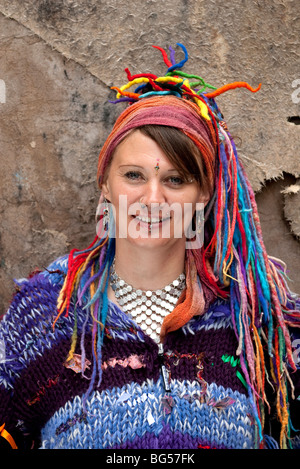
[174,329]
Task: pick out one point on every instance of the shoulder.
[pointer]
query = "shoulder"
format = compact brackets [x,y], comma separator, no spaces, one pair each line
[37,291]
[26,328]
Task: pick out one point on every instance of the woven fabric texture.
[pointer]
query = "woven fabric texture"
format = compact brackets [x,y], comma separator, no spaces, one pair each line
[44,401]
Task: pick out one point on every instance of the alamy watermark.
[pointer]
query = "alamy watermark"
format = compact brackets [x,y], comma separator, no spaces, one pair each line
[296,93]
[155,221]
[2,352]
[296,351]
[2,92]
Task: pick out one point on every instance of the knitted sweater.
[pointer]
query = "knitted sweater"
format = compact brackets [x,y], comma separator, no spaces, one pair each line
[189,395]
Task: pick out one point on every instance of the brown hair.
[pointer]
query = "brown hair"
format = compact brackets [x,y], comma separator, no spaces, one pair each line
[181,151]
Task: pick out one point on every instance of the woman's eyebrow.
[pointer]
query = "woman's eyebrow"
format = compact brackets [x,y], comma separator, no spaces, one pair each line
[131,165]
[142,167]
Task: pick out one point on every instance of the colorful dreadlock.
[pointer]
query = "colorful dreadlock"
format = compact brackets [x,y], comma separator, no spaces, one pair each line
[233,262]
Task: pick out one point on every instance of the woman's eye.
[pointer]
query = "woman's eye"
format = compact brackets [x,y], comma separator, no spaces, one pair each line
[175,180]
[133,175]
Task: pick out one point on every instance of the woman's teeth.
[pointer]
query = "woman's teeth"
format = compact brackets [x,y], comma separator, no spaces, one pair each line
[150,220]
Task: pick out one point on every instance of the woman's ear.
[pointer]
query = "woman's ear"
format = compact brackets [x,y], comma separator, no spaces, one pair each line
[204,198]
[105,190]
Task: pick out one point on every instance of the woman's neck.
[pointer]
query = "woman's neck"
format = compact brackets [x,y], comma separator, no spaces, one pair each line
[149,269]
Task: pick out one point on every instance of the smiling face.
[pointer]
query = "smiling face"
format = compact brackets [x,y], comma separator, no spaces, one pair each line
[153,202]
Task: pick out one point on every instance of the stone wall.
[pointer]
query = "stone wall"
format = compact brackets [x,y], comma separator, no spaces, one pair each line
[58,60]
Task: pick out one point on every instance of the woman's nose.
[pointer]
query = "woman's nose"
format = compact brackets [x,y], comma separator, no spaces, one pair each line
[153,193]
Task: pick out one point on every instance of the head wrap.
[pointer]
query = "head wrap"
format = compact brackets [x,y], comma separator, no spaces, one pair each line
[233,263]
[166,111]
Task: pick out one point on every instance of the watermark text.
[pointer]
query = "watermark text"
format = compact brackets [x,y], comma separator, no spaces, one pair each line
[296,93]
[156,221]
[2,92]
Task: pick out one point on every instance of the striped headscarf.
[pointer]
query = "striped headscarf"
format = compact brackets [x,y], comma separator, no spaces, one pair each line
[166,111]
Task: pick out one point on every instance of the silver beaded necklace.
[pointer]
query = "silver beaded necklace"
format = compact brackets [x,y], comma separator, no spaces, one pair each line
[148,308]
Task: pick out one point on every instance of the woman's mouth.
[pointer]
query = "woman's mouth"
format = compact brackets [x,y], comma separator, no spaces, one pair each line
[151,222]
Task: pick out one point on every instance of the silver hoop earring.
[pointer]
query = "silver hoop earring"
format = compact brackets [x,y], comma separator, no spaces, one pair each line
[200,220]
[104,219]
[106,216]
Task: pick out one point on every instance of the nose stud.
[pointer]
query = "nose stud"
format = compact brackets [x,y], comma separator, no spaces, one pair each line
[142,204]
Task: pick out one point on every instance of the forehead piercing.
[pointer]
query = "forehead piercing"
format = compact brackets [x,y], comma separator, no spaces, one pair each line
[157,166]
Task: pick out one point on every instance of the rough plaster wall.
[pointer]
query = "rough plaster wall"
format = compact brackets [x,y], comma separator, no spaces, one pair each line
[58,59]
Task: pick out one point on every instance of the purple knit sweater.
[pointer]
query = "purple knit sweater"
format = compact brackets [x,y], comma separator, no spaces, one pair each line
[190,395]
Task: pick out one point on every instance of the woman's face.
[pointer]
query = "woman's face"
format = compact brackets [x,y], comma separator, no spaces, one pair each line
[153,204]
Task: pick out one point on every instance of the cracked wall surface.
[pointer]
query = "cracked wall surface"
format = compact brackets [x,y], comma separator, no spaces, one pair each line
[58,59]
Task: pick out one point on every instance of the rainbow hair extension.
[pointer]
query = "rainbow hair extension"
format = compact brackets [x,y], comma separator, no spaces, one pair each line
[233,263]
[259,298]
